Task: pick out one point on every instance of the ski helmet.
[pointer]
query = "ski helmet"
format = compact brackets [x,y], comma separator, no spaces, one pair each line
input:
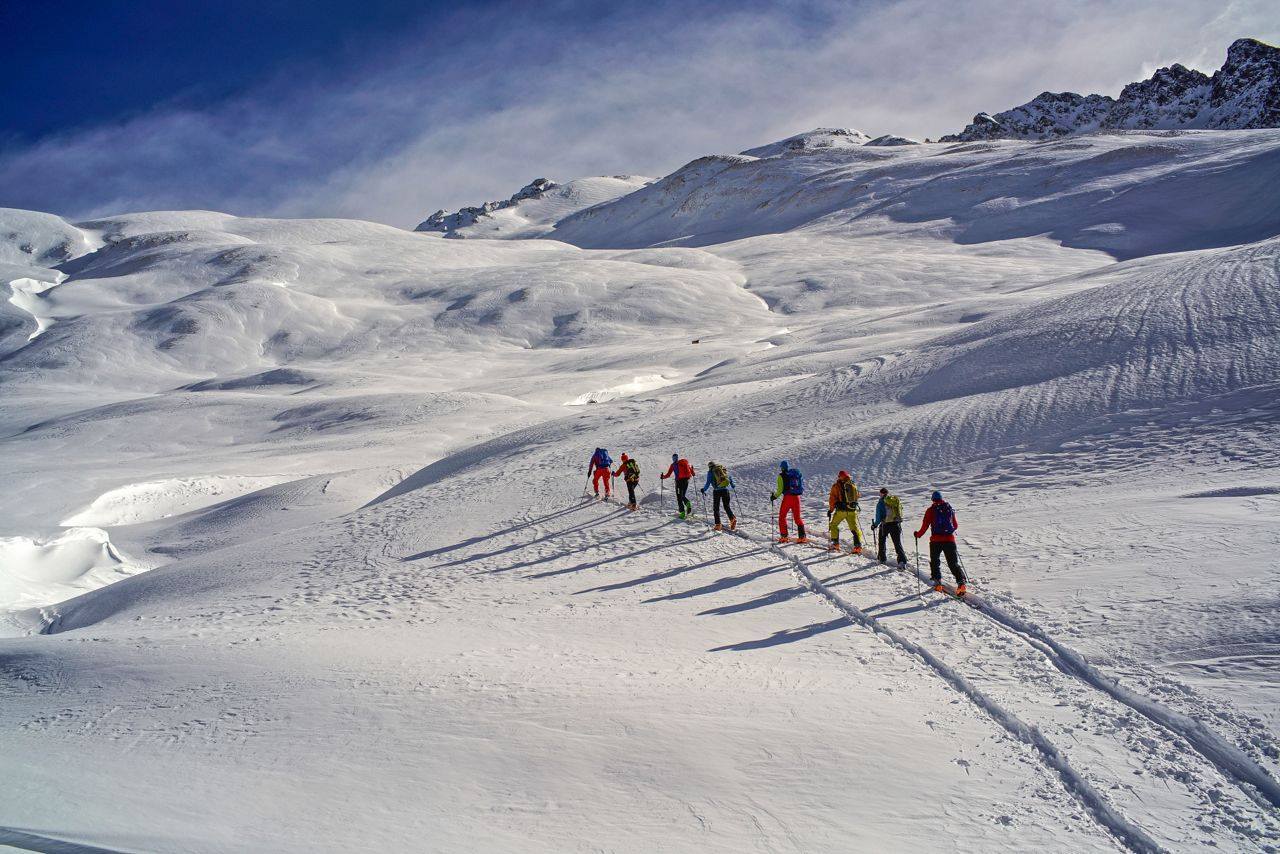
[785,466]
[844,475]
[937,496]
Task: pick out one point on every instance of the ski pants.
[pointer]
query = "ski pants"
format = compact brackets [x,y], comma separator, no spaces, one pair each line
[631,492]
[599,475]
[682,495]
[850,518]
[894,530]
[718,497]
[936,550]
[790,504]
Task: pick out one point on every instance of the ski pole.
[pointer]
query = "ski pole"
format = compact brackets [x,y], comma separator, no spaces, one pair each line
[919,580]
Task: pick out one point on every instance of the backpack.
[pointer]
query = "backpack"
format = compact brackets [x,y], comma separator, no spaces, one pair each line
[892,509]
[944,520]
[684,471]
[793,482]
[719,476]
[631,471]
[848,495]
[606,461]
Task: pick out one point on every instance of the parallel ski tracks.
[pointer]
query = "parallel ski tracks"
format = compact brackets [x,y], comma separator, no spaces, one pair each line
[1230,761]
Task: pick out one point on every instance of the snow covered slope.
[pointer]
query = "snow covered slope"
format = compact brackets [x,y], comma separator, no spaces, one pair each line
[1243,93]
[295,553]
[1129,195]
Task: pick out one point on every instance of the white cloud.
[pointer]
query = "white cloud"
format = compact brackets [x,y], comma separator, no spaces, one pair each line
[525,94]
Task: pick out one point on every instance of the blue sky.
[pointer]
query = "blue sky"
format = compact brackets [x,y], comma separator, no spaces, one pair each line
[388,110]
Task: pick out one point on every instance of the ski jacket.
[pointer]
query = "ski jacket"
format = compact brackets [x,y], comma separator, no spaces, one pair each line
[711,483]
[622,470]
[835,498]
[884,514]
[682,470]
[927,524]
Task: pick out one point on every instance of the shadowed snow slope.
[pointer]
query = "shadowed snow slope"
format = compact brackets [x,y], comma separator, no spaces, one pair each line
[382,613]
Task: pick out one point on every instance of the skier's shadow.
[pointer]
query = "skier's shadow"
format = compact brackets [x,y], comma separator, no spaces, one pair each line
[595,545]
[874,610]
[593,564]
[482,556]
[776,597]
[786,636]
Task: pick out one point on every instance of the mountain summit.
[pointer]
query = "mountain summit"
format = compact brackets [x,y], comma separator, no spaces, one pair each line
[1244,93]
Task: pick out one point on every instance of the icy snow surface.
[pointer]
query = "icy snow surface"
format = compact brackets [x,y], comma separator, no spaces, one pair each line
[295,553]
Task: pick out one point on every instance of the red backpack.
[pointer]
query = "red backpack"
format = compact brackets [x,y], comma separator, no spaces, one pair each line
[684,471]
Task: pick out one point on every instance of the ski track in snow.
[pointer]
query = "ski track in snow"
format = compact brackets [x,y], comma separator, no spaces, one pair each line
[1229,761]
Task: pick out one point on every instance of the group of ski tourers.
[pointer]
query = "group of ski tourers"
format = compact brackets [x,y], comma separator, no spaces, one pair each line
[842,509]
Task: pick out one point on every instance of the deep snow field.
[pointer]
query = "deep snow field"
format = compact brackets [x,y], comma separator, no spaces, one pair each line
[294,553]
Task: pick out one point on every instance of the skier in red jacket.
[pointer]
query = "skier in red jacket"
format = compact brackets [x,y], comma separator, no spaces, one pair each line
[940,520]
[683,472]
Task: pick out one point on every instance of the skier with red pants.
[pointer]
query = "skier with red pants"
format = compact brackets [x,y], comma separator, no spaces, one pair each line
[790,487]
[600,468]
[683,473]
[940,520]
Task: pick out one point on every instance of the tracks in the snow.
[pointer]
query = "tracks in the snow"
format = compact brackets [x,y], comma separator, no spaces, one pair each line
[1157,743]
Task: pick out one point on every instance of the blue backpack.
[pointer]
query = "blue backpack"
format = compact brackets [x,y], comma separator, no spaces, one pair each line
[944,520]
[794,482]
[603,460]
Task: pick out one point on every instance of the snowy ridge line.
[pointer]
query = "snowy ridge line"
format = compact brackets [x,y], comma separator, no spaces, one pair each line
[1124,830]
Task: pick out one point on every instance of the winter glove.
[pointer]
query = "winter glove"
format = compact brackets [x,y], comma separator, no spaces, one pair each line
[704,490]
[873,525]
[917,533]
[773,496]
[828,513]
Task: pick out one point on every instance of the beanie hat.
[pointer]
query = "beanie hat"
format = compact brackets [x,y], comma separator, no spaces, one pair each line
[844,475]
[784,465]
[937,496]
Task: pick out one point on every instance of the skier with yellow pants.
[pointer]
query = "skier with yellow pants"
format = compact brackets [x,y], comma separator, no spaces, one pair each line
[842,506]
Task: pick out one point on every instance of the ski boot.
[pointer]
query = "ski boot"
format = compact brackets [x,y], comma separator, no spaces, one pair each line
[733,524]
[937,586]
[784,539]
[717,527]
[835,546]
[960,589]
[856,550]
[802,539]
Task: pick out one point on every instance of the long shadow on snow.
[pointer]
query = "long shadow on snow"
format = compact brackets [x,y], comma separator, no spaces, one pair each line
[722,583]
[475,540]
[875,611]
[581,526]
[785,594]
[786,636]
[595,545]
[595,563]
[21,839]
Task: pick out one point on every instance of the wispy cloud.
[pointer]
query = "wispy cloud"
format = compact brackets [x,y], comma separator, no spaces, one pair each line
[562,91]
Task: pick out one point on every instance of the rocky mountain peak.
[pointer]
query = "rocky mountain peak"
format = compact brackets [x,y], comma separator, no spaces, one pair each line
[1244,93]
